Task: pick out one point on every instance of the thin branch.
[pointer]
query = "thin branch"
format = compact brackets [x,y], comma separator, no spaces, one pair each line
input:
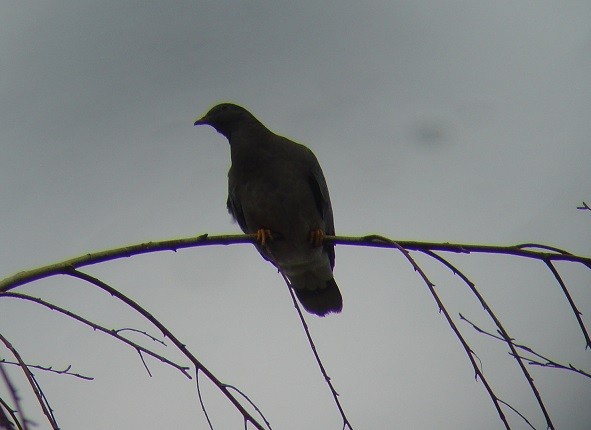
[547,361]
[543,253]
[585,206]
[41,399]
[144,363]
[135,330]
[467,349]
[50,369]
[5,422]
[518,413]
[97,327]
[140,349]
[516,250]
[203,240]
[167,333]
[203,408]
[16,399]
[256,408]
[507,339]
[66,266]
[546,247]
[571,302]
[334,393]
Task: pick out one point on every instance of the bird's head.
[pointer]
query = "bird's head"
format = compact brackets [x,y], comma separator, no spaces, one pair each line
[225,118]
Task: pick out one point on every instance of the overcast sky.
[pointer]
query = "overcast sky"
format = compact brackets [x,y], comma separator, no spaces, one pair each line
[436,121]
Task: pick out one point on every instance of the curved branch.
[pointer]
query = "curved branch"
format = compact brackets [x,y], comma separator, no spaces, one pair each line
[459,248]
[571,302]
[17,405]
[66,371]
[114,333]
[335,394]
[65,267]
[203,240]
[541,360]
[167,333]
[453,326]
[502,331]
[546,254]
[41,399]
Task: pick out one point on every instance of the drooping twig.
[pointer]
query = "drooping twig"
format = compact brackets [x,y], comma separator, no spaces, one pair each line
[5,422]
[505,335]
[203,408]
[256,408]
[543,253]
[546,362]
[467,349]
[66,371]
[335,395]
[167,333]
[41,399]
[135,330]
[571,302]
[100,328]
[17,404]
[140,349]
[518,413]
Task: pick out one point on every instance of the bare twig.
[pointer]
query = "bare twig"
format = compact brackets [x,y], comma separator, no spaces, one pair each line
[585,206]
[546,254]
[467,349]
[505,335]
[66,371]
[144,363]
[203,408]
[41,399]
[5,422]
[167,333]
[97,327]
[135,330]
[459,248]
[546,362]
[256,408]
[16,399]
[518,413]
[571,302]
[335,395]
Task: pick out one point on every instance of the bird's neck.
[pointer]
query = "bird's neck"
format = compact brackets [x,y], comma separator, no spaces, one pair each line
[251,147]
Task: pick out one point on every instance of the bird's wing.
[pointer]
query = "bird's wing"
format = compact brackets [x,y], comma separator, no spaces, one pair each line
[235,208]
[322,199]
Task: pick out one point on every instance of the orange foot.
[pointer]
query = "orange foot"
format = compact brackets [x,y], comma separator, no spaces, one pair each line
[317,237]
[264,235]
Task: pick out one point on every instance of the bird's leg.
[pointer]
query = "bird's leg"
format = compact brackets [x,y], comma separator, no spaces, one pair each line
[264,235]
[317,237]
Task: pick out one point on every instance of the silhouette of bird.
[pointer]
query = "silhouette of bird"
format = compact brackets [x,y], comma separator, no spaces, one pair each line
[276,190]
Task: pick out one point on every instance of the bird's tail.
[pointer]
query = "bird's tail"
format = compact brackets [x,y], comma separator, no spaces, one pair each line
[322,300]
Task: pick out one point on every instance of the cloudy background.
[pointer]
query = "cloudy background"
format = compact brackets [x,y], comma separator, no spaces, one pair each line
[436,121]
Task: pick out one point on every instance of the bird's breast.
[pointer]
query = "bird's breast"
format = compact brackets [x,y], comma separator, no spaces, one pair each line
[278,202]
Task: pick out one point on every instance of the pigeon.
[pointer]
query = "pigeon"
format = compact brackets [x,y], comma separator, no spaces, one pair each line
[277,191]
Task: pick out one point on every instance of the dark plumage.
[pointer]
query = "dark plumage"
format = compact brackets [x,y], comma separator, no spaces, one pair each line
[276,189]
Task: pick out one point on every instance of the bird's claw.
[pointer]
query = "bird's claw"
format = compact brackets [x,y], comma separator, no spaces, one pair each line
[317,237]
[264,235]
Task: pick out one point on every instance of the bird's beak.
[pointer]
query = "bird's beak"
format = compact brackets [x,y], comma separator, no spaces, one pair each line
[201,121]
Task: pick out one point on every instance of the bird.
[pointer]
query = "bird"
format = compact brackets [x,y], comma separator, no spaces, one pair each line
[277,191]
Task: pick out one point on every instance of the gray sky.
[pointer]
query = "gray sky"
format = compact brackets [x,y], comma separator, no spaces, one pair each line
[436,121]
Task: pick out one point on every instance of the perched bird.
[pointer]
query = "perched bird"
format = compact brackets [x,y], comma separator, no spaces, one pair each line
[276,190]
